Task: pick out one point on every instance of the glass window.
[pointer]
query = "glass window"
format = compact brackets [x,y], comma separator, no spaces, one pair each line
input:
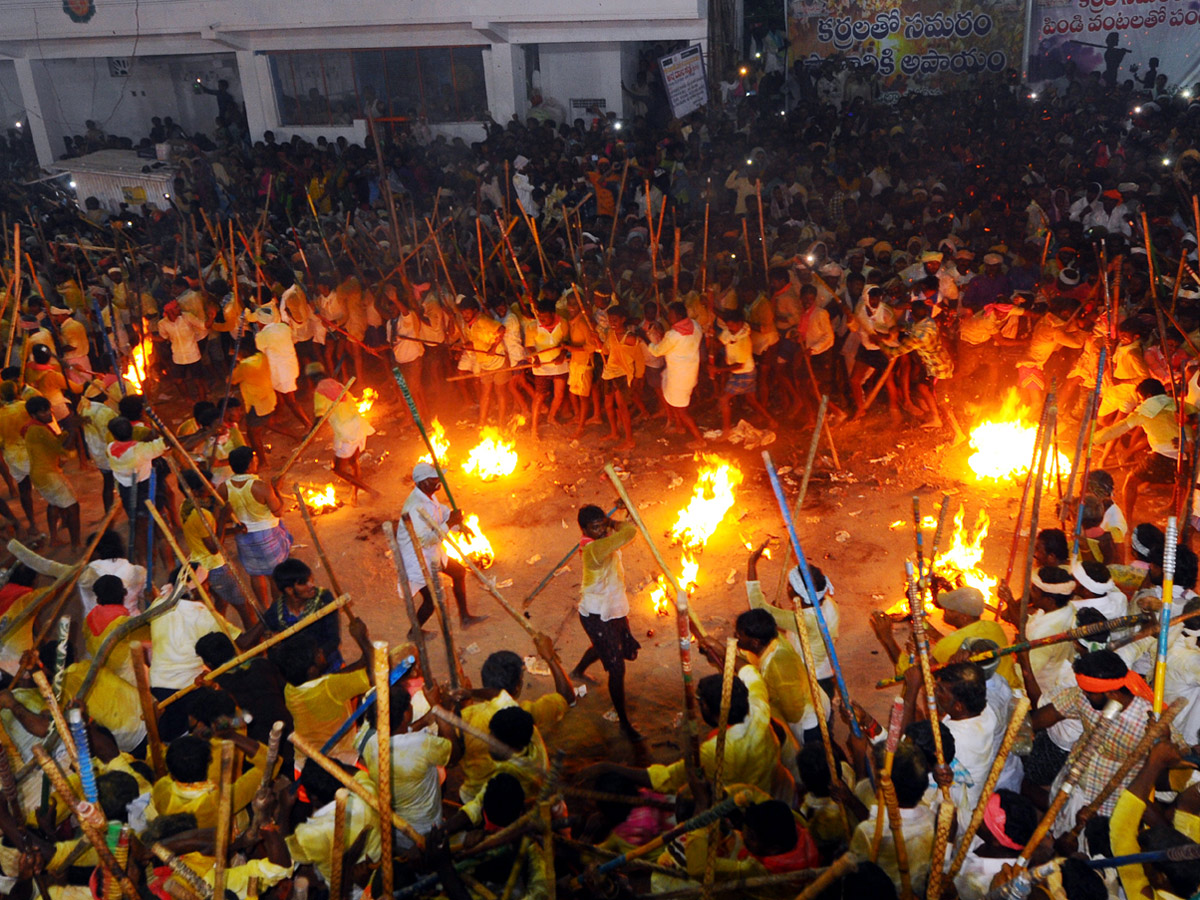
[444,84]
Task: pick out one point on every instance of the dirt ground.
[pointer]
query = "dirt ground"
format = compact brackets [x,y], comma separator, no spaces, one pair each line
[529,517]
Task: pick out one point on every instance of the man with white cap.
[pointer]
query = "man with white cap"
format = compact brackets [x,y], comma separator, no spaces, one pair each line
[425,484]
[275,340]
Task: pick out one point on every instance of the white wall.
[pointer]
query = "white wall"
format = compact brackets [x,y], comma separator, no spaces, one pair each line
[12,107]
[74,91]
[581,71]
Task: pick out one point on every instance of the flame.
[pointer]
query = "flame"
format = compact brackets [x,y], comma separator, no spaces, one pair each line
[1004,445]
[317,500]
[960,563]
[369,396]
[437,437]
[712,498]
[687,581]
[477,547]
[135,372]
[493,457]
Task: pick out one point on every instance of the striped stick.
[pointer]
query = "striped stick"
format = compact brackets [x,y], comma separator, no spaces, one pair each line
[87,773]
[918,538]
[416,416]
[777,487]
[895,721]
[433,579]
[406,594]
[1164,628]
[383,771]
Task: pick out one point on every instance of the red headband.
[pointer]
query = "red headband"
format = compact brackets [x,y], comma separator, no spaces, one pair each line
[995,819]
[1132,680]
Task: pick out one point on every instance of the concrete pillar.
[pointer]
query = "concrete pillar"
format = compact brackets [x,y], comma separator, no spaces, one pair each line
[34,119]
[258,92]
[504,76]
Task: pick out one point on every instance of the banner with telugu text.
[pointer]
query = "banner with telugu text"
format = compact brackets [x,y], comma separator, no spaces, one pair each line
[1116,38]
[917,46]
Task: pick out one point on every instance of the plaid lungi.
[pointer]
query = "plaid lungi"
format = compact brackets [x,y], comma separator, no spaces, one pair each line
[261,551]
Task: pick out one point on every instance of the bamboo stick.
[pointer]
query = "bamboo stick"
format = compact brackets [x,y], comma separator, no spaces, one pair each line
[141,674]
[383,771]
[262,647]
[714,830]
[224,817]
[56,715]
[433,582]
[201,589]
[339,844]
[842,866]
[312,533]
[312,433]
[762,230]
[410,608]
[194,883]
[1039,484]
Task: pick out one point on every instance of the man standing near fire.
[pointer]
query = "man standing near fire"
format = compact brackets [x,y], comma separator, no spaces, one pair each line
[604,606]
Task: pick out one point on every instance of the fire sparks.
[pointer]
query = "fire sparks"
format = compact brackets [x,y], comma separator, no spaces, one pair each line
[1004,445]
[437,437]
[493,457]
[687,581]
[320,500]
[477,546]
[135,372]
[712,498]
[959,565]
[369,396]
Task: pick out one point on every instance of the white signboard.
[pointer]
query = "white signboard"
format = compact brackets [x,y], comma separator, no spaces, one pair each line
[683,75]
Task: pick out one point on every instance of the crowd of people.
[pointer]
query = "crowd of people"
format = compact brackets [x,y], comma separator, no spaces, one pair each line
[569,276]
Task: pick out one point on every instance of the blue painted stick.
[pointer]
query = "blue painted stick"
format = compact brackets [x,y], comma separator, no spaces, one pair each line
[150,532]
[1087,460]
[812,591]
[87,775]
[108,346]
[398,672]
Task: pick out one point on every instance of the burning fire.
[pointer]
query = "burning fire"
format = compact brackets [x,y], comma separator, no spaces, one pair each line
[478,547]
[1004,446]
[437,437]
[135,372]
[493,457]
[369,396]
[687,581]
[317,500]
[712,498]
[959,565]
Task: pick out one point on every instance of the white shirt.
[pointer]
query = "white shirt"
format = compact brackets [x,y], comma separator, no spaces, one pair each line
[173,635]
[133,577]
[431,544]
[184,334]
[974,750]
[417,760]
[275,340]
[918,826]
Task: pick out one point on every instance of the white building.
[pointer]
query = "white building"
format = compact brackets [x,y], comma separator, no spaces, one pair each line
[311,67]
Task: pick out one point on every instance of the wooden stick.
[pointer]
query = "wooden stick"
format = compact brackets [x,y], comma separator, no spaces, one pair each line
[495,746]
[334,769]
[1015,721]
[201,589]
[675,268]
[187,457]
[895,721]
[612,233]
[262,647]
[749,255]
[1083,753]
[433,581]
[383,771]
[339,844]
[56,715]
[704,252]
[17,285]
[684,617]
[714,830]
[141,674]
[920,639]
[312,433]
[887,372]
[405,590]
[1039,484]
[762,230]
[566,558]
[892,806]
[842,866]
[312,533]
[194,883]
[224,817]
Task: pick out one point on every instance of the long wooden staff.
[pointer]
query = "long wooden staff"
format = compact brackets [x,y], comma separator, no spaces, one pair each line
[173,440]
[433,581]
[684,617]
[259,648]
[409,606]
[762,230]
[339,844]
[383,770]
[141,676]
[488,583]
[1154,733]
[224,818]
[1020,709]
[612,233]
[1083,755]
[17,285]
[714,830]
[1039,484]
[355,787]
[201,589]
[312,432]
[566,558]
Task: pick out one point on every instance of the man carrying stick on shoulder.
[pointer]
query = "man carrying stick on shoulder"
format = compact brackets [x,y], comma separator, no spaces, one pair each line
[263,541]
[350,429]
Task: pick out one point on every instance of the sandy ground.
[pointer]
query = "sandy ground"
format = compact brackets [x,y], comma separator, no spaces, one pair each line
[845,528]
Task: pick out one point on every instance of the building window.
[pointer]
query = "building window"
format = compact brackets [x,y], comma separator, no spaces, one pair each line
[334,87]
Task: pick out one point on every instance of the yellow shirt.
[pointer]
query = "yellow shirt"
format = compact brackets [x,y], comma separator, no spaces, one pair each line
[112,701]
[319,707]
[169,796]
[195,534]
[751,748]
[485,333]
[253,374]
[948,646]
[312,840]
[477,764]
[45,451]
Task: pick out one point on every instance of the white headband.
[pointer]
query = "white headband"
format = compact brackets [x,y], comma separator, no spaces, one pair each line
[1081,576]
[1137,545]
[1063,589]
[796,580]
